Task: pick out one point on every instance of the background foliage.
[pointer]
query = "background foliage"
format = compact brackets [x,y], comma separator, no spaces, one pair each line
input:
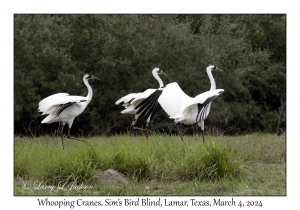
[53,52]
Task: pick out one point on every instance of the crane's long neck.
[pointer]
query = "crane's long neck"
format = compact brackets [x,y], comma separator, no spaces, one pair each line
[158,79]
[90,91]
[211,78]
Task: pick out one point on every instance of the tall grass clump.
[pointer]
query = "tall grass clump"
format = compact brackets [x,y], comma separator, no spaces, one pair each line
[126,154]
[210,162]
[44,160]
[77,165]
[168,158]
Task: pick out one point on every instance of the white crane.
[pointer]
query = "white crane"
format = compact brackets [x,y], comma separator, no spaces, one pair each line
[179,106]
[63,108]
[132,100]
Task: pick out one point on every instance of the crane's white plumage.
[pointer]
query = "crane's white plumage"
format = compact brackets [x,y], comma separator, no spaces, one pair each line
[46,103]
[196,109]
[132,100]
[178,105]
[172,99]
[63,108]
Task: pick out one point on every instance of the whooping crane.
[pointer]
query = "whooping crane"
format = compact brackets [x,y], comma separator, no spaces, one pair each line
[132,100]
[179,106]
[63,108]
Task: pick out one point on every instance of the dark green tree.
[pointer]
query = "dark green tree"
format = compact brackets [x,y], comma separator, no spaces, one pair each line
[53,52]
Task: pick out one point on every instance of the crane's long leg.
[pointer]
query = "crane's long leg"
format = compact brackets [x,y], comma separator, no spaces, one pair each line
[203,136]
[132,127]
[58,129]
[201,125]
[133,123]
[147,131]
[69,136]
[61,134]
[179,132]
[137,128]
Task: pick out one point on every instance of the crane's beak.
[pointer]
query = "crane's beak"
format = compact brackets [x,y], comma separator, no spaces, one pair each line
[93,77]
[218,69]
[161,72]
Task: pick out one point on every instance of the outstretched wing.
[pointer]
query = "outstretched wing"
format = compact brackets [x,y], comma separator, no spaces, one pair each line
[65,100]
[172,99]
[148,107]
[75,105]
[203,109]
[168,97]
[132,100]
[127,99]
[198,108]
[50,101]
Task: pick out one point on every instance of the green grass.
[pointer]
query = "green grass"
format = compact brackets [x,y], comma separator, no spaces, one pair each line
[253,164]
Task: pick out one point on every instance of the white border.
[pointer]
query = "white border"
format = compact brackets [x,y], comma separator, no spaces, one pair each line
[9,8]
